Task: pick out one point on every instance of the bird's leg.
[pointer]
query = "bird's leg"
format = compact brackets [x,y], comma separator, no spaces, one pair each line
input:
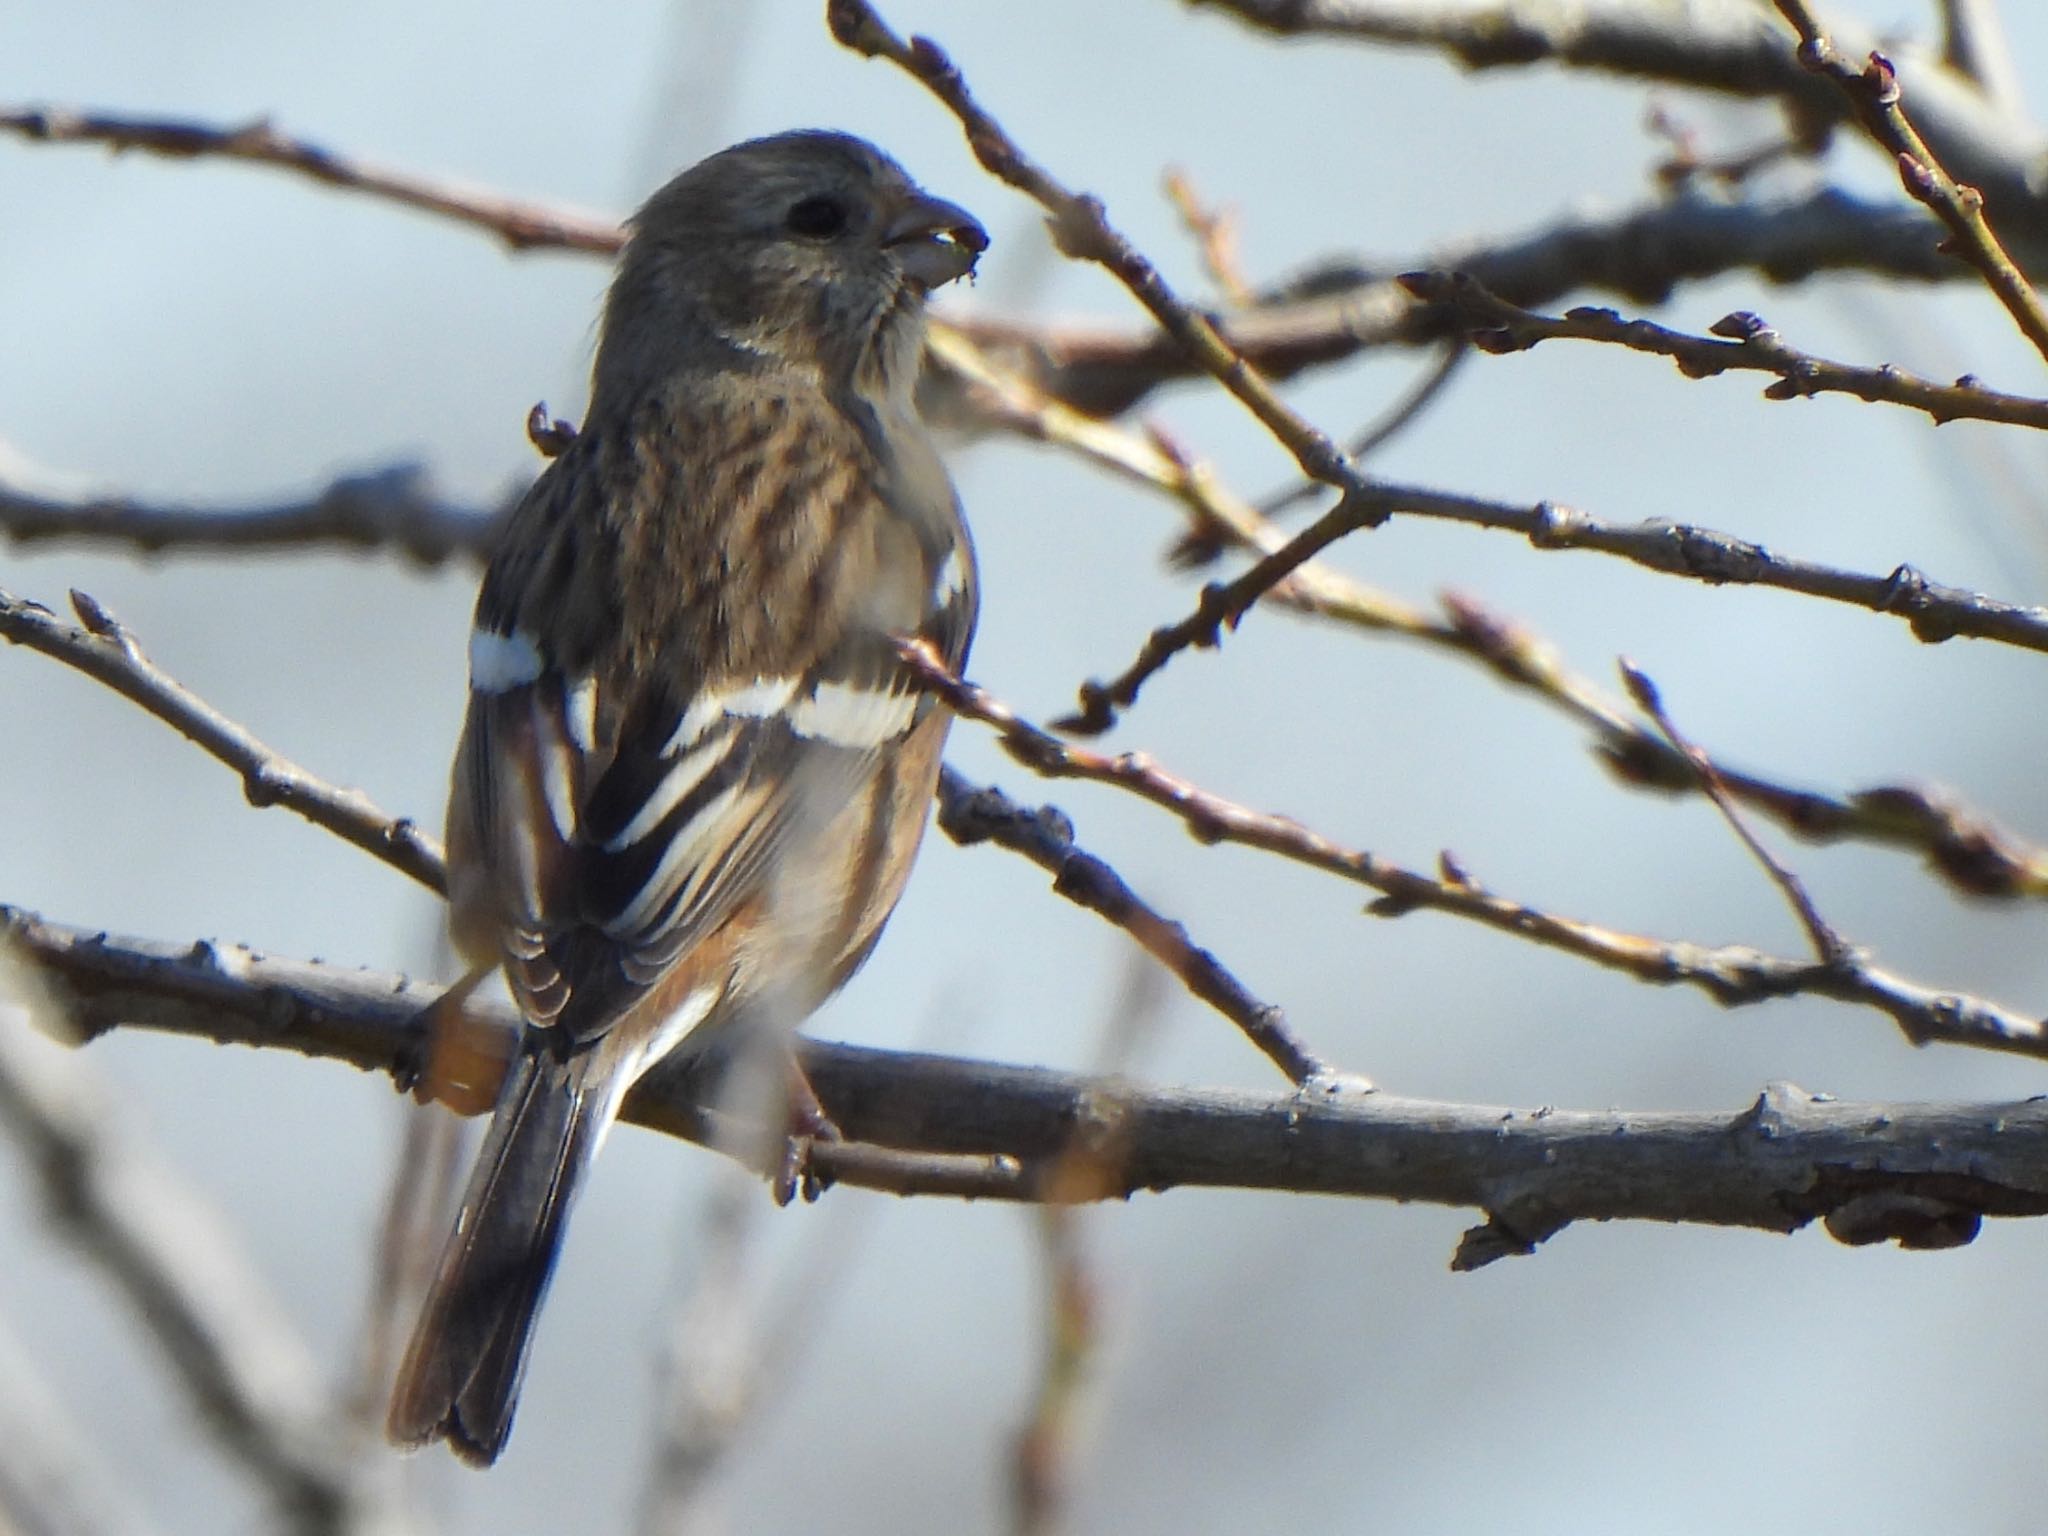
[807,1125]
[457,1060]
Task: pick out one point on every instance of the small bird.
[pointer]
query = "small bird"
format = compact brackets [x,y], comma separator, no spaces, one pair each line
[693,774]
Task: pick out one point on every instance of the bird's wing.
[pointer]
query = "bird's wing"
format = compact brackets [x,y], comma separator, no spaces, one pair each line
[626,811]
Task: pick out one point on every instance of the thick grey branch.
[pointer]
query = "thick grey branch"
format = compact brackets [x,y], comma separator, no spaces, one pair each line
[1923,1174]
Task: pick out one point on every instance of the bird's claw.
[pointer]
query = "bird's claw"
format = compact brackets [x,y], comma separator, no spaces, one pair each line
[796,1172]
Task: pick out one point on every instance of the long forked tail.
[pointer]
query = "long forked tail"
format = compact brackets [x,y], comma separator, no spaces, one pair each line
[461,1374]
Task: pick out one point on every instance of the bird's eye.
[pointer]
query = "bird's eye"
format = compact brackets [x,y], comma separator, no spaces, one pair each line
[819,218]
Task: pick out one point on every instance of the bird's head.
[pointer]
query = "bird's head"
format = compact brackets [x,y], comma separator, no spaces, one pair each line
[809,249]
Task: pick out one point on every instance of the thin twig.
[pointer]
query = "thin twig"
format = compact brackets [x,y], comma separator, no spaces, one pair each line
[1082,230]
[104,651]
[708,1369]
[1828,944]
[1875,93]
[1960,844]
[970,813]
[1327,314]
[1344,306]
[523,226]
[1215,235]
[1742,342]
[1732,170]
[1369,439]
[1920,1174]
[1702,554]
[1041,1462]
[1933,612]
[1732,975]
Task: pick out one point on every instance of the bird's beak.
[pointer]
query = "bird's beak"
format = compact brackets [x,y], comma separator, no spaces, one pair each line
[935,240]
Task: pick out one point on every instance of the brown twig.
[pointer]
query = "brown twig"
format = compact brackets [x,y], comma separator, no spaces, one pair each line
[1733,975]
[1961,845]
[1733,169]
[1923,1175]
[1697,553]
[1346,306]
[1964,848]
[1740,342]
[1875,93]
[1325,315]
[1215,236]
[1828,944]
[1369,439]
[104,651]
[1042,1457]
[1933,612]
[970,814]
[1082,230]
[523,226]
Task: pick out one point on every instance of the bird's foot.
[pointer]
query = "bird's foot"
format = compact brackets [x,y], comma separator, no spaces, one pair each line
[796,1172]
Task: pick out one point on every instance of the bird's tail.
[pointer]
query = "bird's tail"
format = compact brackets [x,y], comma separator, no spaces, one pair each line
[461,1374]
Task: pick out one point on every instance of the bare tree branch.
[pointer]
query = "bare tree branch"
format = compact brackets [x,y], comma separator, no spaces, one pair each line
[1960,844]
[1730,46]
[1742,342]
[1922,1174]
[1342,307]
[523,226]
[1082,230]
[971,814]
[1875,94]
[1828,944]
[1732,975]
[1329,313]
[107,653]
[392,508]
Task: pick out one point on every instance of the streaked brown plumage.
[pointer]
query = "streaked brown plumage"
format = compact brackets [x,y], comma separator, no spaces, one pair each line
[692,778]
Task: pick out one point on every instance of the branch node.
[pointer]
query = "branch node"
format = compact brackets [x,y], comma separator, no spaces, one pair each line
[1917,1222]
